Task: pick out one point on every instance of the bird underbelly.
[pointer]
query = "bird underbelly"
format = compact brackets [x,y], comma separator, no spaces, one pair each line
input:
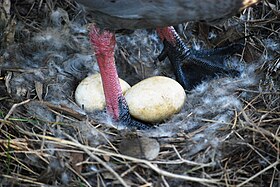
[145,15]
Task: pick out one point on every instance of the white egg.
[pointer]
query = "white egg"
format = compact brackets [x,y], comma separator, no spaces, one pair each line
[155,99]
[90,95]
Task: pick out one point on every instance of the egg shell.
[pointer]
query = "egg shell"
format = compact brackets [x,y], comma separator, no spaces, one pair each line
[89,94]
[155,99]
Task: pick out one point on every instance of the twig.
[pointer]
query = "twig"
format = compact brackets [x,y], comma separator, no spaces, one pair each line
[12,110]
[84,148]
[23,180]
[259,173]
[14,107]
[87,149]
[81,177]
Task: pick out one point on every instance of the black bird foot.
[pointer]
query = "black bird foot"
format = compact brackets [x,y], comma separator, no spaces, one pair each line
[191,66]
[127,120]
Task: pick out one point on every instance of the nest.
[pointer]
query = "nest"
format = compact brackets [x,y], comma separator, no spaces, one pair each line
[226,135]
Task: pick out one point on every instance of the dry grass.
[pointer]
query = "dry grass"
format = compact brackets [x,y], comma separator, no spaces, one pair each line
[77,150]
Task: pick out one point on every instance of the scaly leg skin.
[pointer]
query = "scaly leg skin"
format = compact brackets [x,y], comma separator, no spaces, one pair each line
[193,66]
[103,43]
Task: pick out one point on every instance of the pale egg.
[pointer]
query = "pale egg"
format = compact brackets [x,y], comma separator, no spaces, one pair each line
[89,94]
[155,99]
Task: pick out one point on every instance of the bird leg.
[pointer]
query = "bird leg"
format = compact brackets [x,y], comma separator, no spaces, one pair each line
[192,66]
[103,43]
[174,44]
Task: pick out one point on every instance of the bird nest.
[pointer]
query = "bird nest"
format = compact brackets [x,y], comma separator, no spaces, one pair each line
[227,134]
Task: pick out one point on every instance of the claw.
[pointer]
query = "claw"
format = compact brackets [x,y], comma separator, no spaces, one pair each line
[163,55]
[191,67]
[126,119]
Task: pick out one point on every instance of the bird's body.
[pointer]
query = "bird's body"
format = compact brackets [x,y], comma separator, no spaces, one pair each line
[135,14]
